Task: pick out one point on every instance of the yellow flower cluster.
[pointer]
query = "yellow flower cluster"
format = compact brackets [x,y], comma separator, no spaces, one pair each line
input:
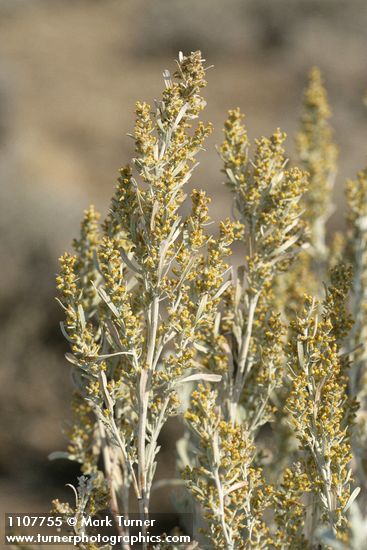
[318,155]
[267,369]
[267,200]
[80,332]
[85,248]
[356,191]
[225,479]
[140,292]
[356,194]
[318,404]
[91,496]
[152,306]
[290,509]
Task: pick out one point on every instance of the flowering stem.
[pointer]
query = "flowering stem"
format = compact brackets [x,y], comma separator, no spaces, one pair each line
[145,378]
[109,477]
[218,484]
[242,360]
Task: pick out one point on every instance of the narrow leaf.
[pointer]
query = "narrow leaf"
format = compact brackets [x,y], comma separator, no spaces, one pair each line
[351,499]
[200,376]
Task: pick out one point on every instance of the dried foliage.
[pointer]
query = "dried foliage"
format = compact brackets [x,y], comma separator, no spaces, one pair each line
[272,456]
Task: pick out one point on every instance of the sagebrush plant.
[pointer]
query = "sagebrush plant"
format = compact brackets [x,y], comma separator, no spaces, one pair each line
[273,454]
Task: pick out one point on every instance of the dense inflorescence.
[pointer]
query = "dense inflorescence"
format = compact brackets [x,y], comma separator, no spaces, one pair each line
[356,192]
[267,200]
[318,405]
[225,480]
[318,155]
[264,363]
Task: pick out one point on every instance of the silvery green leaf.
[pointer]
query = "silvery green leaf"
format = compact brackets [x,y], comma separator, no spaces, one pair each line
[181,113]
[326,535]
[154,213]
[301,357]
[217,324]
[178,168]
[113,332]
[64,333]
[81,316]
[108,355]
[290,226]
[78,377]
[201,308]
[281,249]
[163,251]
[188,175]
[167,78]
[175,230]
[107,396]
[351,499]
[237,333]
[142,385]
[222,289]
[108,301]
[72,359]
[153,469]
[186,271]
[358,525]
[156,152]
[130,262]
[231,176]
[235,487]
[276,179]
[56,455]
[362,223]
[174,234]
[349,475]
[75,493]
[160,125]
[199,376]
[131,283]
[201,347]
[316,320]
[61,304]
[216,454]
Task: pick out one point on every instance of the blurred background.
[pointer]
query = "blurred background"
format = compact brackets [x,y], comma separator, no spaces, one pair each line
[70,72]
